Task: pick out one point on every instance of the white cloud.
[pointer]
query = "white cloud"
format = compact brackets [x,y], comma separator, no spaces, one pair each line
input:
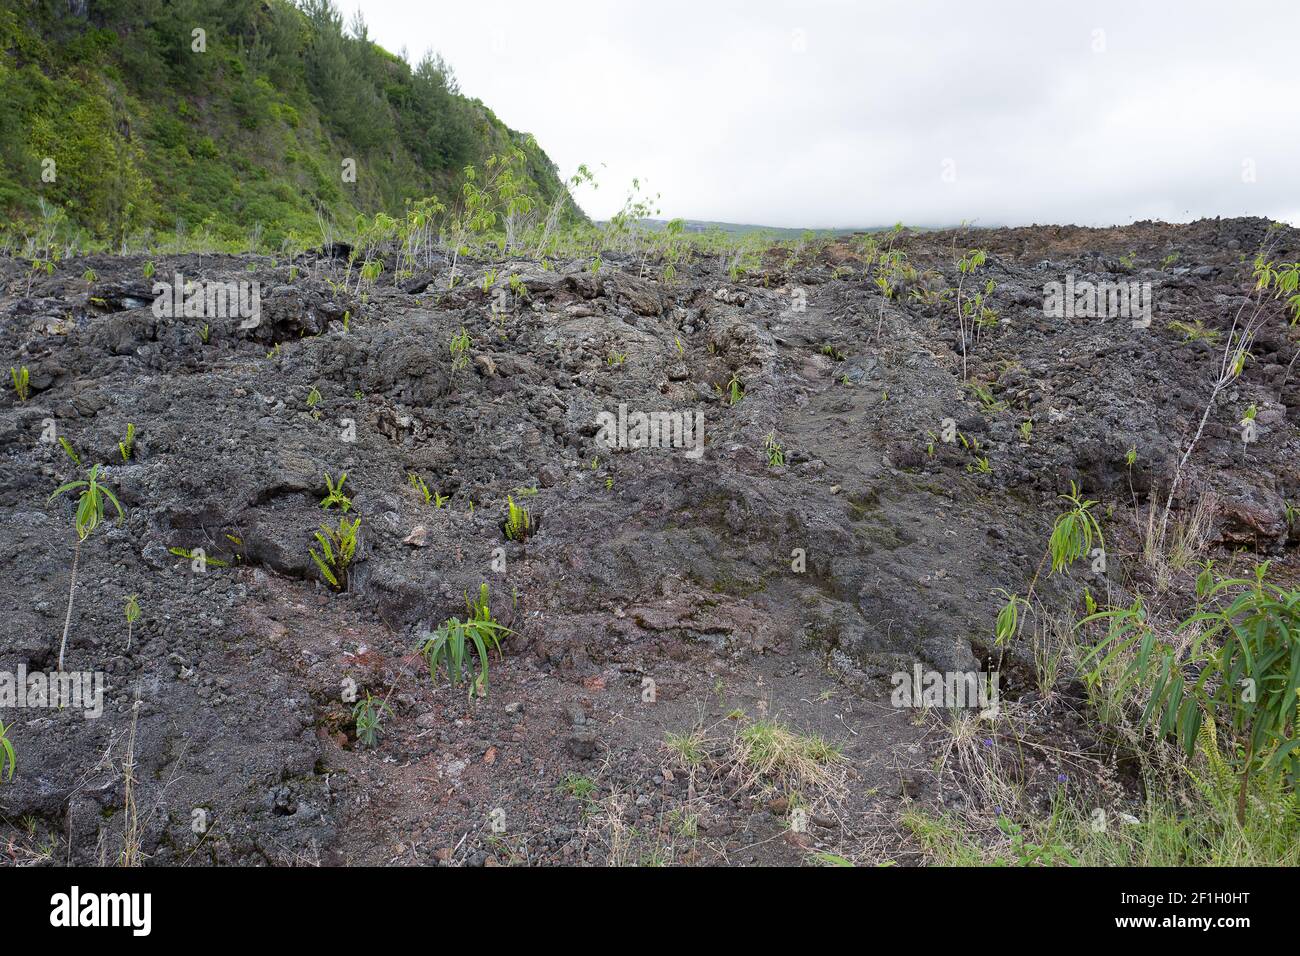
[823,113]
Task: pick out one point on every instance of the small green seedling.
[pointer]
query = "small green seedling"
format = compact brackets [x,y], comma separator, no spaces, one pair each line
[775,454]
[199,560]
[70,451]
[336,495]
[519,524]
[337,549]
[127,445]
[1007,625]
[6,751]
[369,716]
[459,347]
[21,378]
[735,391]
[132,611]
[416,482]
[89,516]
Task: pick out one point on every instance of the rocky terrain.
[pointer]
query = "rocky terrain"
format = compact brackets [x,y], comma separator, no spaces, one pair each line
[661,596]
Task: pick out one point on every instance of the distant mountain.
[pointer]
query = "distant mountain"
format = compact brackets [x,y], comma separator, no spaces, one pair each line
[233,116]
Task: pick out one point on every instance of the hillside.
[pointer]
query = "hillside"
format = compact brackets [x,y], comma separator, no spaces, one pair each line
[243,130]
[701,640]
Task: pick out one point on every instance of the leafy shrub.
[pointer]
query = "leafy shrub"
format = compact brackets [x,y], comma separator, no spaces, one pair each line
[1241,668]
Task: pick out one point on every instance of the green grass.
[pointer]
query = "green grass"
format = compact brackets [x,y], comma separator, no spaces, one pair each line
[688,748]
[1166,834]
[770,751]
[576,785]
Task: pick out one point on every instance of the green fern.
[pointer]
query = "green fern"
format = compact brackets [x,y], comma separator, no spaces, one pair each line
[6,752]
[337,549]
[336,495]
[519,524]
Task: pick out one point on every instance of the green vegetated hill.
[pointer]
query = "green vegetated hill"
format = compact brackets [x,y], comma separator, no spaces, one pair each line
[240,130]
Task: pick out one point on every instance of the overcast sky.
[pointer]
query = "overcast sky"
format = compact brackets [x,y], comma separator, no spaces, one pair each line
[842,113]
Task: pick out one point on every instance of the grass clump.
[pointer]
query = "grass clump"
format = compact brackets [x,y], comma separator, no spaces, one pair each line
[1196,830]
[768,750]
[578,786]
[689,749]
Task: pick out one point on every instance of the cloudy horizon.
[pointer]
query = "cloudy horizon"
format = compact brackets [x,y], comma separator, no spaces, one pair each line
[840,114]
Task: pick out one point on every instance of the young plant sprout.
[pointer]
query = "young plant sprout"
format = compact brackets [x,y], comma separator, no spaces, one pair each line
[1074,531]
[21,378]
[449,644]
[70,451]
[6,752]
[369,716]
[89,515]
[416,482]
[966,267]
[460,351]
[336,495]
[338,546]
[775,454]
[132,611]
[518,524]
[735,391]
[127,445]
